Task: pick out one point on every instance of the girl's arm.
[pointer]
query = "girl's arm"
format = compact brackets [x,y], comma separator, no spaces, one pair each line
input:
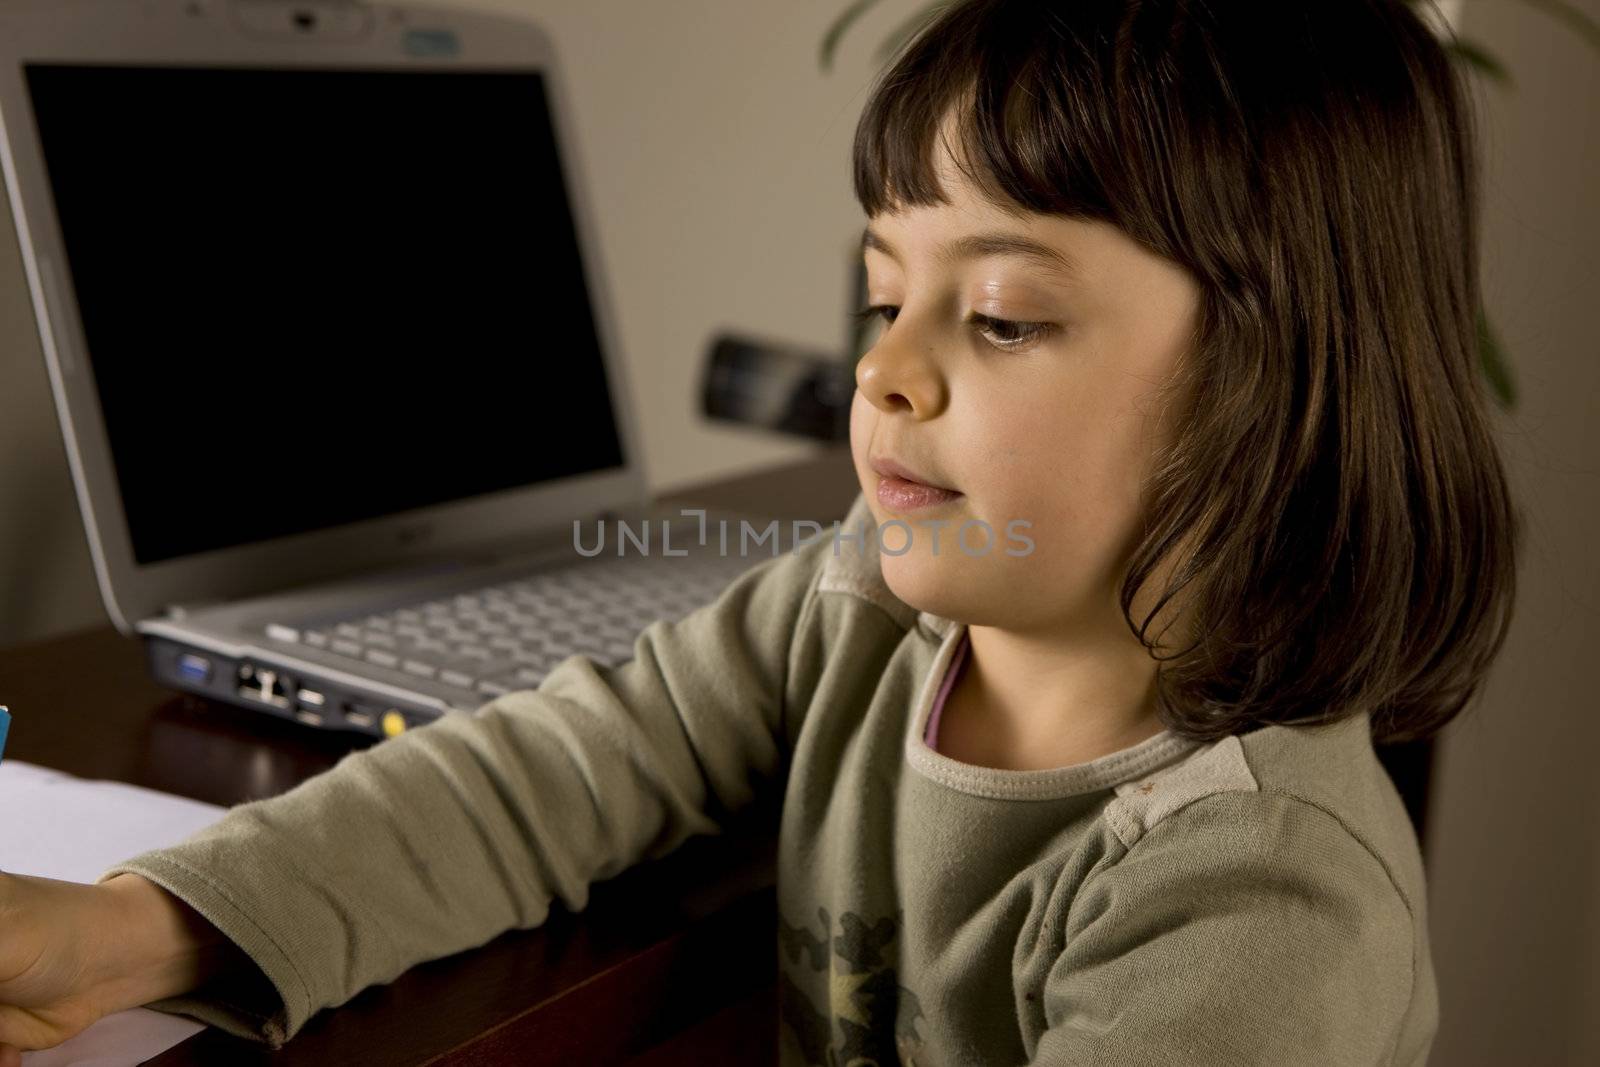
[440,839]
[1248,928]
[156,946]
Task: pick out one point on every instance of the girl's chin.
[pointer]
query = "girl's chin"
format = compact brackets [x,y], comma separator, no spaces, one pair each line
[926,585]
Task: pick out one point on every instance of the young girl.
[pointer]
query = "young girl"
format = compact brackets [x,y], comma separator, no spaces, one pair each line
[1177,493]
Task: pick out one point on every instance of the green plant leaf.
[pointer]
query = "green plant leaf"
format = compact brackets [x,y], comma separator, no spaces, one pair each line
[1577,20]
[1492,359]
[847,18]
[1474,55]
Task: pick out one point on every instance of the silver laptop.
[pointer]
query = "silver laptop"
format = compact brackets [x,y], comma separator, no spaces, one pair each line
[331,345]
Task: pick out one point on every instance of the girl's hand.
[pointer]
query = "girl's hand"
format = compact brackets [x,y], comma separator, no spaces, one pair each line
[52,955]
[72,953]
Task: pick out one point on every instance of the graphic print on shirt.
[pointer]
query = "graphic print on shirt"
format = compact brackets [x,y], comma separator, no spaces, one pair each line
[876,1017]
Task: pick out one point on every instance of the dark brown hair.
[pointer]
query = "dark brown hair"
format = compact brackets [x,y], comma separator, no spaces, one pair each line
[1348,537]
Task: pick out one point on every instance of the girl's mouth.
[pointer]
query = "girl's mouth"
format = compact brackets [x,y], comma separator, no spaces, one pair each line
[900,494]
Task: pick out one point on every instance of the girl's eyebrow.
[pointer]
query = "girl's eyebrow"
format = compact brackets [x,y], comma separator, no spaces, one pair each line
[974,245]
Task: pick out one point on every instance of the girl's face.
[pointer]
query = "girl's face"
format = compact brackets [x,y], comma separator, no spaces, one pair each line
[1049,415]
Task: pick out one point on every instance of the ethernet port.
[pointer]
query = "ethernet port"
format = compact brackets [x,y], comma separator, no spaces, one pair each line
[264,684]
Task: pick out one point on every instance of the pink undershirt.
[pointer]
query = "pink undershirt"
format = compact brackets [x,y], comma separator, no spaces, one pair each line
[951,675]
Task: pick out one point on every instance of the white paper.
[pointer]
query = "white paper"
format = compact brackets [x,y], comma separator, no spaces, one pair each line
[56,825]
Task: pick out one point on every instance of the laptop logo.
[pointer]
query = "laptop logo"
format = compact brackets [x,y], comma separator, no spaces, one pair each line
[431,43]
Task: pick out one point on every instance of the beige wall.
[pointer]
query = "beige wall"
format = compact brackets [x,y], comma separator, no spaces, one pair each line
[718,155]
[1515,857]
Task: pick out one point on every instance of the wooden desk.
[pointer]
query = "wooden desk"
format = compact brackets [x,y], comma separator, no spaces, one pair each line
[673,961]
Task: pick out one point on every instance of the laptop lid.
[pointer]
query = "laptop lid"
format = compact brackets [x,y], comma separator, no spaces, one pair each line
[317,285]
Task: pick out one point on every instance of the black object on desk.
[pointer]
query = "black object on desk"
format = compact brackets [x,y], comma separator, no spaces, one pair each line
[780,387]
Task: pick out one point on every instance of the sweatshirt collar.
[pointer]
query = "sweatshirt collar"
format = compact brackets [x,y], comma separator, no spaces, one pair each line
[1106,772]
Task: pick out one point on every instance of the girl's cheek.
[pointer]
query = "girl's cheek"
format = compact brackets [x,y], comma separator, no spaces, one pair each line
[861,422]
[860,428]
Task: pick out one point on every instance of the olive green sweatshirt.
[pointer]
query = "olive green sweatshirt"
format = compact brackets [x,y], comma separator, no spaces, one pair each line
[1257,900]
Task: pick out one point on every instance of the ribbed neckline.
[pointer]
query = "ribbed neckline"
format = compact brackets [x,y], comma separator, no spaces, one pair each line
[1051,784]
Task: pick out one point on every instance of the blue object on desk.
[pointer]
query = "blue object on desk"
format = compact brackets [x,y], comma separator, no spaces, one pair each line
[5,721]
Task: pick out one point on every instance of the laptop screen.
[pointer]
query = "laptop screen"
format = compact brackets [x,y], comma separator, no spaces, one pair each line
[312,297]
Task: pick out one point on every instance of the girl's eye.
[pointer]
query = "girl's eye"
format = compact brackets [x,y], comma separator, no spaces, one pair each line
[1001,333]
[873,312]
[1012,335]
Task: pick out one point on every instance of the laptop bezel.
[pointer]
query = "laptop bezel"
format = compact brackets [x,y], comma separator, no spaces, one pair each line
[162,32]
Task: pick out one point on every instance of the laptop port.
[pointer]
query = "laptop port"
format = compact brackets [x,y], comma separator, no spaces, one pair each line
[361,715]
[194,668]
[264,685]
[311,718]
[311,697]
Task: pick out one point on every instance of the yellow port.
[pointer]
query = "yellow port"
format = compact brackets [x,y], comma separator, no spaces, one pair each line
[393,723]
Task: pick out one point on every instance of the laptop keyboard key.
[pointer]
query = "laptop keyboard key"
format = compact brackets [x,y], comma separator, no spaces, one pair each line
[514,633]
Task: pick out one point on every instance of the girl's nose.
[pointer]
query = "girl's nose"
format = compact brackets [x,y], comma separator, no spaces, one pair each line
[899,379]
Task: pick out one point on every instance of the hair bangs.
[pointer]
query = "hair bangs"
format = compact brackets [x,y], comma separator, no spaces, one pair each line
[1019,120]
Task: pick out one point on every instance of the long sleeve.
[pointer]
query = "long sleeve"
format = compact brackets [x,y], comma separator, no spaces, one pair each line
[440,839]
[1248,928]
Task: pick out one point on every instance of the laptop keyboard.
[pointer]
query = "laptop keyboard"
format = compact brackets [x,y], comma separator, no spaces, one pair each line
[498,638]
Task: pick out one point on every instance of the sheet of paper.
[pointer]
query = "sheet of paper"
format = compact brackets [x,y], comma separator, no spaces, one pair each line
[60,826]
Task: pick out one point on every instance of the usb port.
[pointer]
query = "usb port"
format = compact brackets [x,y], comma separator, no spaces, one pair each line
[312,697]
[194,668]
[359,714]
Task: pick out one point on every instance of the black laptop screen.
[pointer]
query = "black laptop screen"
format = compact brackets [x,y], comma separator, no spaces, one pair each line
[312,297]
